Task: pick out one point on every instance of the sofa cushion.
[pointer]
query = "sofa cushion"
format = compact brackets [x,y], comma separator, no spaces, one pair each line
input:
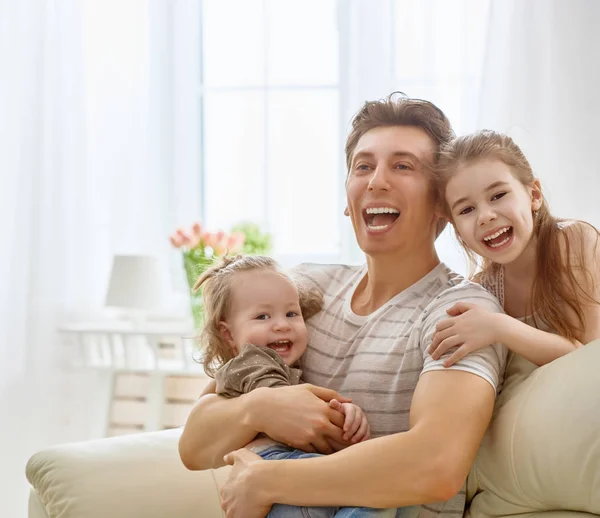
[132,476]
[542,449]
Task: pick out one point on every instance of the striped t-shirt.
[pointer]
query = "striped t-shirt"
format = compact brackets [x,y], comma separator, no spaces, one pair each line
[377,359]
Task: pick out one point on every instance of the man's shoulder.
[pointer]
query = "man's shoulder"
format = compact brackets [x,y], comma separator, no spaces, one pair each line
[457,288]
[323,275]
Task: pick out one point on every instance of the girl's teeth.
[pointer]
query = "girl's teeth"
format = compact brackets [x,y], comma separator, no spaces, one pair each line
[496,234]
[503,242]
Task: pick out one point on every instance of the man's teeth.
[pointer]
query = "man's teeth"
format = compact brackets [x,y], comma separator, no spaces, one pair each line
[377,227]
[382,210]
[496,234]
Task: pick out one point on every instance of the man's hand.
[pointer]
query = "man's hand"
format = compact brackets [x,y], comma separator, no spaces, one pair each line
[356,427]
[300,416]
[239,496]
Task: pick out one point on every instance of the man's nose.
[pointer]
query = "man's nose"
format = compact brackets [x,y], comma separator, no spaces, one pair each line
[380,179]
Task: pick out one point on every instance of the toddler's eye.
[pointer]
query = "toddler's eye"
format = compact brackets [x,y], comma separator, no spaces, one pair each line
[291,314]
[262,316]
[498,196]
[466,210]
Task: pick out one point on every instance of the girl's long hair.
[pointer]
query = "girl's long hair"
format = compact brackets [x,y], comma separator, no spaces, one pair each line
[560,245]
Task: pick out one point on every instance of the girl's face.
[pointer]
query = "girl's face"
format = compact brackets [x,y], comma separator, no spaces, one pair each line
[492,210]
[265,311]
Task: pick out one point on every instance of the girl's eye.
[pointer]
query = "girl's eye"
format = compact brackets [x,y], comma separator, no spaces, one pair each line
[262,316]
[466,210]
[291,314]
[498,196]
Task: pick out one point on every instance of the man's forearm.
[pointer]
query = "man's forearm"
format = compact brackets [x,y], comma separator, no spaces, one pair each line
[215,427]
[393,471]
[449,414]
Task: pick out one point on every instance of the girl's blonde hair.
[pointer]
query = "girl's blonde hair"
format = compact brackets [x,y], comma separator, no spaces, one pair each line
[217,288]
[555,280]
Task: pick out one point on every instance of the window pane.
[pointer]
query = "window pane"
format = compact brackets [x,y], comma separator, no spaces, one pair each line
[233,42]
[304,177]
[234,159]
[302,42]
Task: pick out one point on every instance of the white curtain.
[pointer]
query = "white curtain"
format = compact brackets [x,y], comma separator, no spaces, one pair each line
[541,85]
[97,157]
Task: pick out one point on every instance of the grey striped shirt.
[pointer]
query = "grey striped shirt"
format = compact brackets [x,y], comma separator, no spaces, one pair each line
[377,359]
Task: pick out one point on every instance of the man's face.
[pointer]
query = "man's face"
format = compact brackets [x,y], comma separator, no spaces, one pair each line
[390,191]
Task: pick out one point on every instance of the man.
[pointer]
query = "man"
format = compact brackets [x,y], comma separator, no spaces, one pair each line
[369,343]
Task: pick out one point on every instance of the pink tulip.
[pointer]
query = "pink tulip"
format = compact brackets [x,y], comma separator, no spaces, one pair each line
[208,238]
[235,242]
[197,230]
[221,240]
[183,237]
[175,241]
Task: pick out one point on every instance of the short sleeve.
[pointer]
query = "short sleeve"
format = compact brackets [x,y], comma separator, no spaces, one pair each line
[489,362]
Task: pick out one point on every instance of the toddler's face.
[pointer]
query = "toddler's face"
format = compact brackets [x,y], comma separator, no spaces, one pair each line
[265,311]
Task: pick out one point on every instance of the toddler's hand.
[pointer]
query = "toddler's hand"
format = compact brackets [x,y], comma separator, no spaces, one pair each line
[356,426]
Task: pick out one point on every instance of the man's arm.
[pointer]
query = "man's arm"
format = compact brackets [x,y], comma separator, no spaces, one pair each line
[449,415]
[299,416]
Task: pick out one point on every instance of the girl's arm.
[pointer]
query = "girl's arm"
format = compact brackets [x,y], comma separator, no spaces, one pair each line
[535,345]
[473,327]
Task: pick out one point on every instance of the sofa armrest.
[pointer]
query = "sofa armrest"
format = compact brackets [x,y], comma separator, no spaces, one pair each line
[131,476]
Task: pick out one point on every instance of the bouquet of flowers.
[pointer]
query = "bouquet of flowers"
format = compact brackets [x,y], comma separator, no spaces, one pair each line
[201,249]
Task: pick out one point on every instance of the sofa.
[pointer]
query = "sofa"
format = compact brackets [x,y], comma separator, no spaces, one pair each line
[539,458]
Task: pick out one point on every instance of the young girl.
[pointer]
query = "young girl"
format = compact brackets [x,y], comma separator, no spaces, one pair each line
[254,333]
[545,271]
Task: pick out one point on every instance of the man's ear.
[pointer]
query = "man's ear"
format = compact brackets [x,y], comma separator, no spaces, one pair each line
[536,195]
[227,337]
[346,211]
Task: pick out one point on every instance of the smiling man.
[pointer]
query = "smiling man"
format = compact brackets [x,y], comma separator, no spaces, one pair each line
[369,343]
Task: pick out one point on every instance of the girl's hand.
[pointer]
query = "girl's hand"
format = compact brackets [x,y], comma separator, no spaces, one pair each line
[356,426]
[241,495]
[471,328]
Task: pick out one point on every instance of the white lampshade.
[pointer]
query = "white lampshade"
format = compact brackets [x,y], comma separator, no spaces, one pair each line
[137,282]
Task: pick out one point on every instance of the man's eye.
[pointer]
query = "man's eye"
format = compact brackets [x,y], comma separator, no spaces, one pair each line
[262,316]
[403,167]
[466,210]
[498,196]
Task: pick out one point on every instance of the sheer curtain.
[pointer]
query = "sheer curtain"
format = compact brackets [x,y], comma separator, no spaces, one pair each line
[540,84]
[98,156]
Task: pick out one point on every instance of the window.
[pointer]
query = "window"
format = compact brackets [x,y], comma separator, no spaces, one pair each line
[270,121]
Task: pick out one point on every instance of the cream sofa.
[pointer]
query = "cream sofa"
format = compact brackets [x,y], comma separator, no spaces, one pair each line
[540,457]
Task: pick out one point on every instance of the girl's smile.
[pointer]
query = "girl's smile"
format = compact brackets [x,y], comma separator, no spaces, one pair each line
[491,209]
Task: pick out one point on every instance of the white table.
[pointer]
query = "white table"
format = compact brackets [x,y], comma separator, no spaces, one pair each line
[148,369]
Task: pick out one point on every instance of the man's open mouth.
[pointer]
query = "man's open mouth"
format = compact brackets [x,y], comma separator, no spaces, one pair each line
[379,218]
[498,238]
[281,346]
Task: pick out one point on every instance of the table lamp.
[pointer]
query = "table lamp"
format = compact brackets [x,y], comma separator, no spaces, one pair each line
[138,284]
